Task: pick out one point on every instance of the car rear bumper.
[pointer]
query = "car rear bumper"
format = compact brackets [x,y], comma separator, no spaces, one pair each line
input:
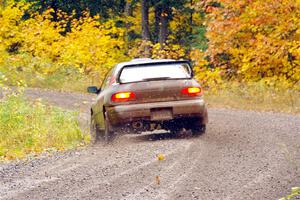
[123,114]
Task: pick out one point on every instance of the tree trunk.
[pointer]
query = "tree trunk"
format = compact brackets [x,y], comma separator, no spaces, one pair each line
[54,6]
[145,20]
[145,28]
[191,17]
[164,22]
[157,12]
[127,13]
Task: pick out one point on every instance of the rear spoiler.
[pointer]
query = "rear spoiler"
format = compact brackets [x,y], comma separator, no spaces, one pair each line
[157,63]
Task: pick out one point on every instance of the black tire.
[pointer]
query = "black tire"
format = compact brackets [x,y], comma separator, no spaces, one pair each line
[198,129]
[95,133]
[173,127]
[109,135]
[176,131]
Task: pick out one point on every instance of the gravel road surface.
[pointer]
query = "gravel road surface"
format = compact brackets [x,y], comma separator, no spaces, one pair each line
[243,155]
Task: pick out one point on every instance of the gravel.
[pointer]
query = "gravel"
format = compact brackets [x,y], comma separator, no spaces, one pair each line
[243,155]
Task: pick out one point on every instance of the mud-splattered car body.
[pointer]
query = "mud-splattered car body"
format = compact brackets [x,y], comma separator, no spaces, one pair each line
[146,94]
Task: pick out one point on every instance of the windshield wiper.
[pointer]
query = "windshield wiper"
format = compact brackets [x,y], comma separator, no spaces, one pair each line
[157,79]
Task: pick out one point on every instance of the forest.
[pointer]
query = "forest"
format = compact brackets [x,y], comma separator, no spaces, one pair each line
[241,41]
[246,54]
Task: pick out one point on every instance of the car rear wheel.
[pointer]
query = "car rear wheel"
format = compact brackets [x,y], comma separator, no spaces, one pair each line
[196,126]
[109,135]
[198,129]
[175,130]
[95,133]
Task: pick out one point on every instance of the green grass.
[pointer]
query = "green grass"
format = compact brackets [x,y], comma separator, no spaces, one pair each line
[65,79]
[248,96]
[255,96]
[62,80]
[295,193]
[33,127]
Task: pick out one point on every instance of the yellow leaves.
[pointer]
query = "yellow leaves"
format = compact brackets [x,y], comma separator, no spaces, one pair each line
[155,51]
[208,77]
[197,56]
[38,45]
[160,157]
[173,51]
[92,45]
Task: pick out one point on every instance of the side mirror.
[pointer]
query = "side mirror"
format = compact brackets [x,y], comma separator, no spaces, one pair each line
[93,90]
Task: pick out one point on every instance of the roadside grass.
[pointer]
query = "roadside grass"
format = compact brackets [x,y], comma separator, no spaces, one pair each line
[68,80]
[247,96]
[295,194]
[30,128]
[254,96]
[251,96]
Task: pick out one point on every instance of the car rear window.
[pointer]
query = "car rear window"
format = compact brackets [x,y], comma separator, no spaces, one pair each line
[155,72]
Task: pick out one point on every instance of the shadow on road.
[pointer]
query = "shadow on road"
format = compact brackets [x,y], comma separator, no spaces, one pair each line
[162,136]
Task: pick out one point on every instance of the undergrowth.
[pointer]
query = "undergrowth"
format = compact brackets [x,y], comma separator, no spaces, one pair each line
[254,96]
[33,127]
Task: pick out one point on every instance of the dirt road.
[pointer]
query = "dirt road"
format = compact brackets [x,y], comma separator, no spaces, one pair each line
[243,155]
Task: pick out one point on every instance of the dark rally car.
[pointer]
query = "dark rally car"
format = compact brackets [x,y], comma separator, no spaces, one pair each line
[144,95]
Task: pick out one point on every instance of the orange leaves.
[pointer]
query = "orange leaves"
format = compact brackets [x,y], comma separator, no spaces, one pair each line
[260,38]
[157,178]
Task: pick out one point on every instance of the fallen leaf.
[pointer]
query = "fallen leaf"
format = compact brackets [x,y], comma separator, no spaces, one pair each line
[160,157]
[158,180]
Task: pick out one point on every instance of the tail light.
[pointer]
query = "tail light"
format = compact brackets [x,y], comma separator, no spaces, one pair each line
[123,96]
[192,91]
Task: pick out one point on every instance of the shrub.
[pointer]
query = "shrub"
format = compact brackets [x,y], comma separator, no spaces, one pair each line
[33,127]
[42,46]
[254,40]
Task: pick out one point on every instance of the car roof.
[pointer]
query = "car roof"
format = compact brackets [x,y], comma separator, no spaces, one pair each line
[138,61]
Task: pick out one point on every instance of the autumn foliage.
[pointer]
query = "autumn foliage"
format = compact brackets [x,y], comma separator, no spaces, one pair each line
[255,40]
[42,46]
[242,41]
